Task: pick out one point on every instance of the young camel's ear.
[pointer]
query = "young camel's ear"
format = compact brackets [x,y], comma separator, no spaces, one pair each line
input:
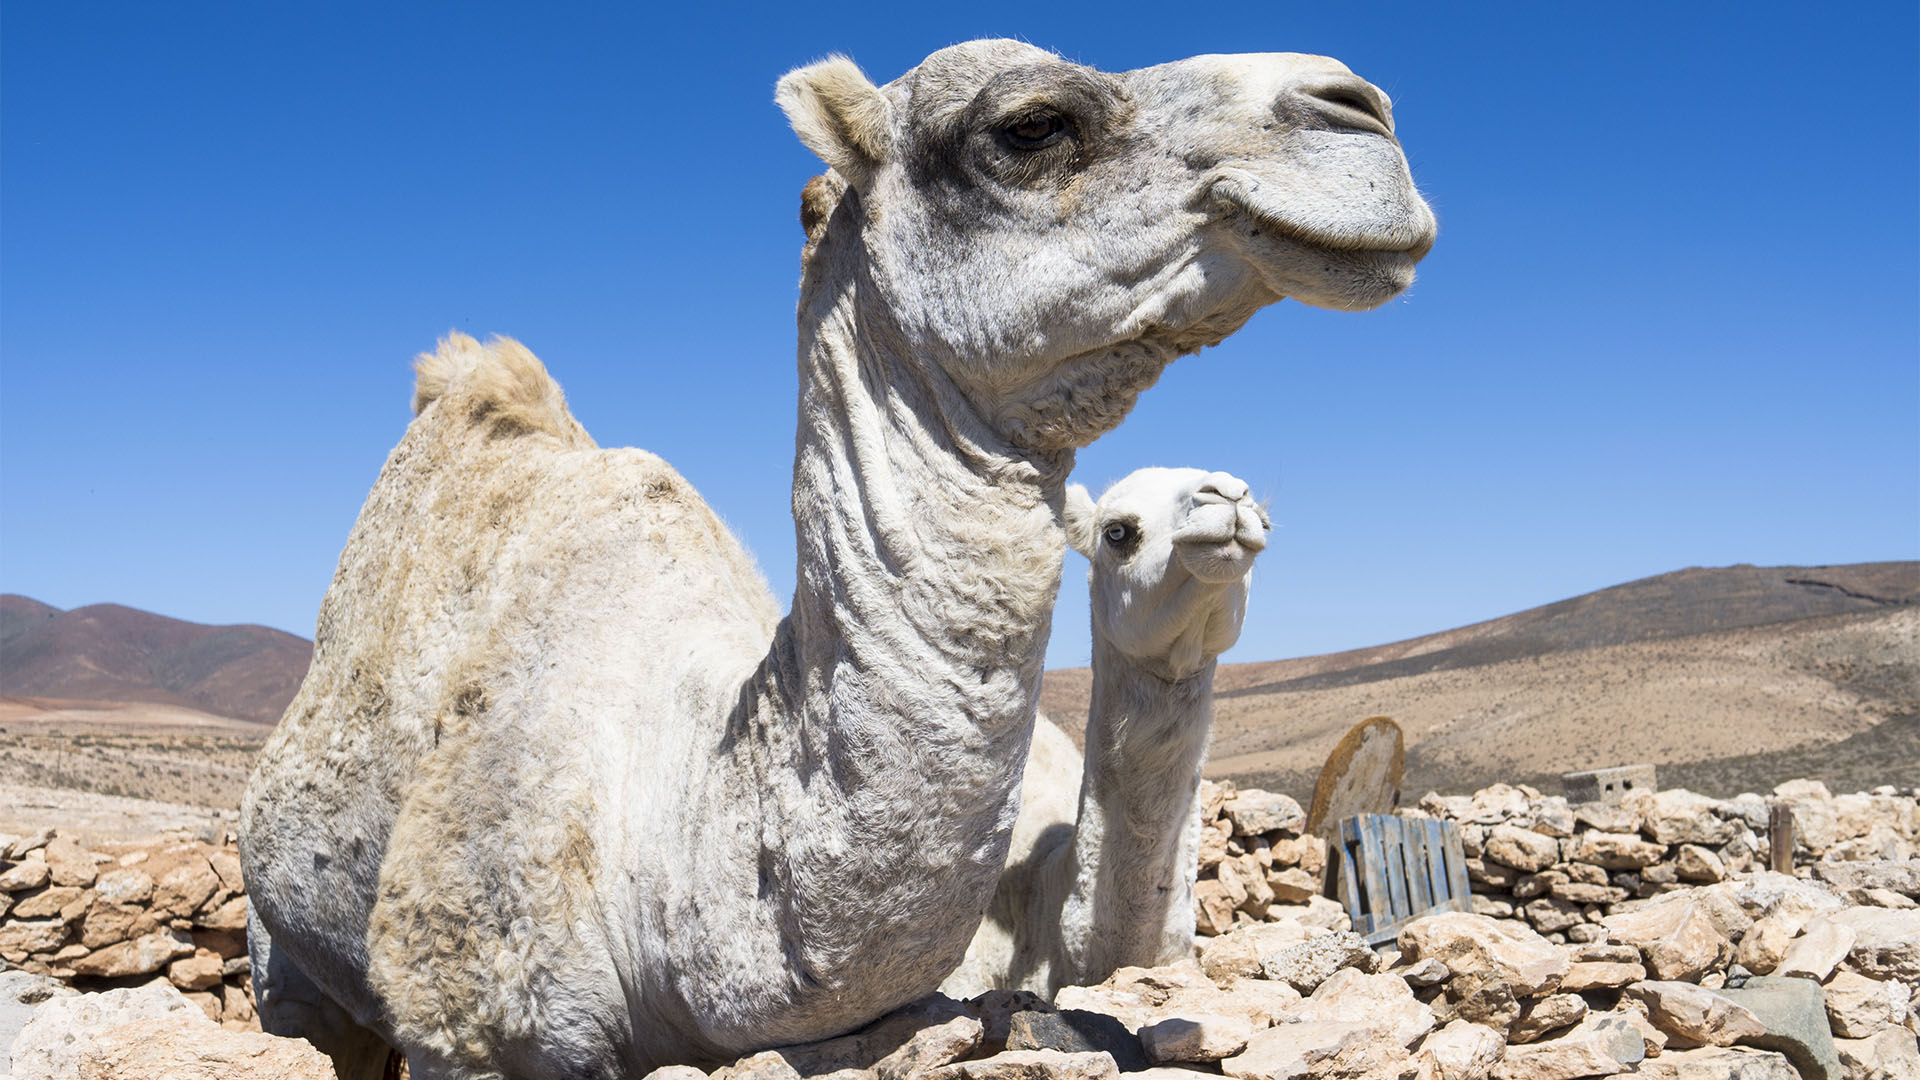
[839,114]
[1080,520]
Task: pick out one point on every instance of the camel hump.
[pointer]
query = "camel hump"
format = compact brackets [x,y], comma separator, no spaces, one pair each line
[500,385]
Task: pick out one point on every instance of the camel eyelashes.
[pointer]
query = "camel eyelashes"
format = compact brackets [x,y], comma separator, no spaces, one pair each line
[1120,533]
[1036,131]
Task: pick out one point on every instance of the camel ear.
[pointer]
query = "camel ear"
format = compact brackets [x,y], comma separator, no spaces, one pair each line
[839,114]
[1080,520]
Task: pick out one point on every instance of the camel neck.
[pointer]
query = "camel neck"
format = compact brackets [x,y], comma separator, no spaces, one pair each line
[1136,839]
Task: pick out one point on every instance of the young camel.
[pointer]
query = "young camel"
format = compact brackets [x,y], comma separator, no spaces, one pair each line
[1108,883]
[563,795]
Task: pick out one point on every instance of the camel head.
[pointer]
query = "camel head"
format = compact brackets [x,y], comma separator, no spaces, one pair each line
[1052,235]
[1171,551]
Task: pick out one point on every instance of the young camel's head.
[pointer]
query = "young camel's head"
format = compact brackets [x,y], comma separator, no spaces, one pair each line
[1171,551]
[1052,235]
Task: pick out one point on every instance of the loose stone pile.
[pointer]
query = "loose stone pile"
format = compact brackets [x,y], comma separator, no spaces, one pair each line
[173,908]
[1720,971]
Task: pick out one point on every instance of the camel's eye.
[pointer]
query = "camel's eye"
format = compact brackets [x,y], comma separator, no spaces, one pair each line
[1120,534]
[1036,130]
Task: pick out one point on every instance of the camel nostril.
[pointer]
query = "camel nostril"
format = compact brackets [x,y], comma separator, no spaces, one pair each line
[1226,486]
[1353,104]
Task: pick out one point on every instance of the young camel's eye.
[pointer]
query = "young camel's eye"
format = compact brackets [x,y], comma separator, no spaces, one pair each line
[1119,534]
[1036,130]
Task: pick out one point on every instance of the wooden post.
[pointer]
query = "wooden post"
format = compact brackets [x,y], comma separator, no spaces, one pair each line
[1780,838]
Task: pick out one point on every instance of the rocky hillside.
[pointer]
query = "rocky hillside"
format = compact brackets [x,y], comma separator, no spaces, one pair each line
[106,652]
[1729,679]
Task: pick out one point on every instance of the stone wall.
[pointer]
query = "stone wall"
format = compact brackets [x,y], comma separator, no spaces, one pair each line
[122,914]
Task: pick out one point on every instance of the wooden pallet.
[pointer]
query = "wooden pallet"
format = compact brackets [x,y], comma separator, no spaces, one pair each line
[1387,871]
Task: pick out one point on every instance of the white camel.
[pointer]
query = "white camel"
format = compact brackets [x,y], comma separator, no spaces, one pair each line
[563,795]
[1106,881]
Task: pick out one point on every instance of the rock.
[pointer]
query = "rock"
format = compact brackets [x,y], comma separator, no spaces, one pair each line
[176,1046]
[1765,945]
[1492,1004]
[227,865]
[1693,1016]
[1349,996]
[1077,1031]
[1581,892]
[1603,1044]
[1139,996]
[931,1047]
[1583,976]
[196,972]
[676,1072]
[1253,811]
[1308,964]
[1495,805]
[1293,885]
[1201,1037]
[1886,942]
[864,1048]
[1236,953]
[231,915]
[1678,816]
[36,936]
[1551,816]
[50,902]
[137,957]
[765,1065]
[1616,851]
[28,875]
[1550,916]
[1794,1012]
[1522,849]
[1299,1051]
[1539,1016]
[69,863]
[1817,951]
[1695,863]
[29,843]
[180,891]
[1213,905]
[1213,844]
[1460,1051]
[1890,1055]
[1030,1065]
[20,994]
[1621,818]
[1491,907]
[106,924]
[1859,1007]
[1245,878]
[1900,876]
[1428,972]
[1677,939]
[124,886]
[1718,1063]
[1479,950]
[51,1044]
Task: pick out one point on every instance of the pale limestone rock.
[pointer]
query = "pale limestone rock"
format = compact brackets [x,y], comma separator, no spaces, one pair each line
[1243,876]
[1859,1007]
[1319,912]
[1765,945]
[1308,964]
[1460,1051]
[1522,849]
[1495,805]
[1030,1065]
[676,1072]
[1817,951]
[1678,816]
[1616,851]
[1678,939]
[179,892]
[1311,1050]
[124,886]
[1696,863]
[197,972]
[1237,953]
[1544,1015]
[227,865]
[1253,811]
[1480,950]
[1350,996]
[231,915]
[931,1047]
[1428,972]
[50,902]
[1293,885]
[1890,1055]
[765,1065]
[30,843]
[1198,1037]
[31,874]
[1213,905]
[1602,1044]
[1718,1063]
[1551,816]
[1548,915]
[1887,942]
[1597,975]
[1618,818]
[69,863]
[50,1045]
[33,936]
[1693,1016]
[1213,844]
[106,924]
[137,957]
[1139,996]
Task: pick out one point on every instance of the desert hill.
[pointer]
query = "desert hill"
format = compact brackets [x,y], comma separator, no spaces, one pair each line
[106,652]
[1725,676]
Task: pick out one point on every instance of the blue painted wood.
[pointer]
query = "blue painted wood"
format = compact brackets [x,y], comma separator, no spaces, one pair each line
[1393,870]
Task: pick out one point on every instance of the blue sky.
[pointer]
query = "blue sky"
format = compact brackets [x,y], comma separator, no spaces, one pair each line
[1673,317]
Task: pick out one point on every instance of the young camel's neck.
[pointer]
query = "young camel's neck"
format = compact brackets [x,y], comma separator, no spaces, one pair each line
[892,718]
[1129,895]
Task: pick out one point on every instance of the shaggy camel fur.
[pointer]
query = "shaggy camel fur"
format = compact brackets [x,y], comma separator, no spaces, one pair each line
[563,795]
[1109,883]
